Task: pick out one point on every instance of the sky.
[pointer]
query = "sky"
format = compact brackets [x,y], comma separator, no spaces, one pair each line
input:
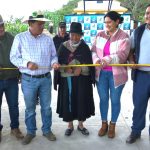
[24,8]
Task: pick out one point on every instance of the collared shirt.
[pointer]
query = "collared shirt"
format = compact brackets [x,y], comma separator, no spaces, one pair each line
[144,57]
[40,50]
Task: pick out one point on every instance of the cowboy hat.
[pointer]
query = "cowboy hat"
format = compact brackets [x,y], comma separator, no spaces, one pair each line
[36,16]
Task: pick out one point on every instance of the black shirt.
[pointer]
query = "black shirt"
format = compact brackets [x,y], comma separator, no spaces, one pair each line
[58,40]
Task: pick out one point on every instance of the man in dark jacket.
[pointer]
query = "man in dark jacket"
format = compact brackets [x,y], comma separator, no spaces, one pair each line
[8,82]
[62,35]
[141,76]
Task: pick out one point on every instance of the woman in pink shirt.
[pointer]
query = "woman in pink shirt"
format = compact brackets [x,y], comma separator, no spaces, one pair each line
[110,47]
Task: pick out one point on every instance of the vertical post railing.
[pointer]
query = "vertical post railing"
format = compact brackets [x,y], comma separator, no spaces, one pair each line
[109,3]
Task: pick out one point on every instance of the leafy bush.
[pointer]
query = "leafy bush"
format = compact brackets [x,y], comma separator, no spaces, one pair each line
[15,26]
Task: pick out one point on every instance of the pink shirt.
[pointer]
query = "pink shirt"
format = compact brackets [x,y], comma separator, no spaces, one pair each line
[119,51]
[106,53]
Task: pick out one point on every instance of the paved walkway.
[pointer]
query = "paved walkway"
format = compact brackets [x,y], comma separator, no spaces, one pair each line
[77,141]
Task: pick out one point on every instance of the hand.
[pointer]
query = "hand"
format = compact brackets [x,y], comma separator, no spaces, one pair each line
[56,66]
[77,71]
[32,66]
[134,66]
[103,63]
[68,70]
[98,62]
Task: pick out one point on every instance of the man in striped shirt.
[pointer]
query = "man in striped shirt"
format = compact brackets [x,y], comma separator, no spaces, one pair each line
[34,54]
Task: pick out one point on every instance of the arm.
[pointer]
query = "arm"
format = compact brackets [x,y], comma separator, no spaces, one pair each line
[54,58]
[16,54]
[131,56]
[95,57]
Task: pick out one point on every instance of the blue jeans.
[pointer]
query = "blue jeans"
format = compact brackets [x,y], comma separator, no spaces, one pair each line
[10,88]
[31,87]
[106,89]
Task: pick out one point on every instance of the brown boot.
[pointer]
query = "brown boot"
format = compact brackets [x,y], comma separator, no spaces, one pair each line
[103,130]
[17,133]
[111,130]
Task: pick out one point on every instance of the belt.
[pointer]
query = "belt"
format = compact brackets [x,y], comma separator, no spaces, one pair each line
[146,72]
[37,76]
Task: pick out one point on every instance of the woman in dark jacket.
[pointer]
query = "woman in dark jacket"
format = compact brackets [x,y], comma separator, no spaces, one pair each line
[75,92]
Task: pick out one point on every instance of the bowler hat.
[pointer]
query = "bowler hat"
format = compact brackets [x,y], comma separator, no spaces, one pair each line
[76,27]
[1,20]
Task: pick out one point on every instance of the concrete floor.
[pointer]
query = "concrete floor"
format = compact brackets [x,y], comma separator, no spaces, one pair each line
[77,141]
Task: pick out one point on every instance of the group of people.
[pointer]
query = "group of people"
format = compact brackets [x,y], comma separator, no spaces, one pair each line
[35,54]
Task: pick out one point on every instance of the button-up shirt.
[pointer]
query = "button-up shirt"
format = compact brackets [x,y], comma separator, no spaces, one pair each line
[27,48]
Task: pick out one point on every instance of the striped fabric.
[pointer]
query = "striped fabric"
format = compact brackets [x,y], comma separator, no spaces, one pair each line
[40,50]
[119,50]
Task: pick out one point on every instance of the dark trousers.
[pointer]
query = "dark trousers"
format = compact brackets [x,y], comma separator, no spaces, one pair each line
[10,88]
[141,94]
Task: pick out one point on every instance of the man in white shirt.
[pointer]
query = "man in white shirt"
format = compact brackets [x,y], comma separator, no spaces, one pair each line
[34,54]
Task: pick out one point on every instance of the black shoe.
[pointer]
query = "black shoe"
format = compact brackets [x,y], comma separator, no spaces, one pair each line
[132,138]
[69,131]
[84,131]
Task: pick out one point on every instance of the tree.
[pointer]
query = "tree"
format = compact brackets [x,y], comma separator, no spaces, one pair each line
[16,26]
[136,8]
[58,15]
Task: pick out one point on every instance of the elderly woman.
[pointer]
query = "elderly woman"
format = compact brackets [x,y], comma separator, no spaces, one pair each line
[111,46]
[75,93]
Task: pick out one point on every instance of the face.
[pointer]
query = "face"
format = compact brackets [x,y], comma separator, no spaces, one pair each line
[62,31]
[2,29]
[75,38]
[37,27]
[111,25]
[147,15]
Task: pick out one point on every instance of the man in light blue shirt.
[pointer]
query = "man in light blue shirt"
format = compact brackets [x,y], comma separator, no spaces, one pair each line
[34,54]
[139,54]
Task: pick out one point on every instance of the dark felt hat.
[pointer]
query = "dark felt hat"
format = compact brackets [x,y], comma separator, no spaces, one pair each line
[76,27]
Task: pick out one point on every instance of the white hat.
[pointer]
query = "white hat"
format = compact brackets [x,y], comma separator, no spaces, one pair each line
[37,16]
[1,20]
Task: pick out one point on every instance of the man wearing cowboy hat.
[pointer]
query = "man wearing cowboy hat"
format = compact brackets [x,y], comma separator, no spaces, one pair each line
[8,82]
[34,54]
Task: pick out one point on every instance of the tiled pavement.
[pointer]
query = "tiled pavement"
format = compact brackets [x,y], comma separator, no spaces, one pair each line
[78,141]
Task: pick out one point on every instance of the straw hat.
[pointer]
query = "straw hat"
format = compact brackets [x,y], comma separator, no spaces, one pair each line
[37,16]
